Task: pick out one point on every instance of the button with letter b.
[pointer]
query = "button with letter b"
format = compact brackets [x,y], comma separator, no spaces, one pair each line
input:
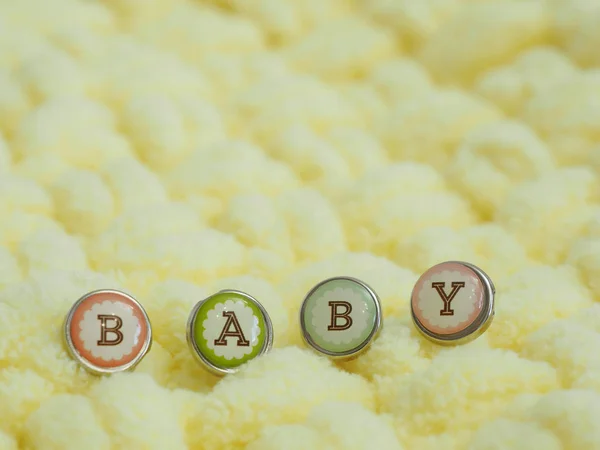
[228,329]
[340,317]
[107,331]
[453,303]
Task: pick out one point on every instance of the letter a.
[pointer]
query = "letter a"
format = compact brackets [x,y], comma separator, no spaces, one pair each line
[104,329]
[447,299]
[335,314]
[237,331]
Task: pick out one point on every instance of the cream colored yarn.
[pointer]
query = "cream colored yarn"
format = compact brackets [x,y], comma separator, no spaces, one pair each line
[175,147]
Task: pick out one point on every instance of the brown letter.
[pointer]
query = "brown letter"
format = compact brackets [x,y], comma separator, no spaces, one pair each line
[237,331]
[439,287]
[344,315]
[104,330]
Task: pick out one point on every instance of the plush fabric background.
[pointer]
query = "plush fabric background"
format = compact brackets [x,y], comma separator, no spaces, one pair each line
[172,148]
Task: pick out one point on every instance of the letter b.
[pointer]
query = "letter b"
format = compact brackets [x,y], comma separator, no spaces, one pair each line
[335,315]
[104,329]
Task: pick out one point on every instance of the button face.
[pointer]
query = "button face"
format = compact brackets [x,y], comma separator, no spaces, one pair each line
[453,302]
[340,316]
[227,330]
[107,331]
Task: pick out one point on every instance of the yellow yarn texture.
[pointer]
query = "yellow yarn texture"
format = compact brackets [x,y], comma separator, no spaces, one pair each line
[173,148]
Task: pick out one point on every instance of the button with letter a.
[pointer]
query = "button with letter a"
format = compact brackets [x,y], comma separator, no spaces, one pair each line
[340,317]
[453,302]
[227,330]
[107,331]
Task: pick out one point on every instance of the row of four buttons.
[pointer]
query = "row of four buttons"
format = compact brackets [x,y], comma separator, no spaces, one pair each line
[108,331]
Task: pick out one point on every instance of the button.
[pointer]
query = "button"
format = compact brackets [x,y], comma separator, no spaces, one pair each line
[107,331]
[453,302]
[227,330]
[340,317]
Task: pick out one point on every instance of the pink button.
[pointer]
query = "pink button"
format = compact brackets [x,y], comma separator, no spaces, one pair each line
[453,302]
[107,331]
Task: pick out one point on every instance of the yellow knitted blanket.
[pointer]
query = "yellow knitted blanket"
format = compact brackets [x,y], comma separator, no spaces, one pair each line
[172,148]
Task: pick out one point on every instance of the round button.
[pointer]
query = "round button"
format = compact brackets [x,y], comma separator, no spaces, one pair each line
[340,316]
[107,331]
[453,302]
[227,330]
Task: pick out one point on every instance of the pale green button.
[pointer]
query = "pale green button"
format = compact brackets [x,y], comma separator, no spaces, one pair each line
[340,317]
[227,330]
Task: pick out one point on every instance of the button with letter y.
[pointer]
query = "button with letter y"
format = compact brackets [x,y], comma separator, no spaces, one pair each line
[340,317]
[227,330]
[453,302]
[107,331]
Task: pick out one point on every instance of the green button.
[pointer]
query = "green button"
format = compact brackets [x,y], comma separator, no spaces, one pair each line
[340,317]
[227,330]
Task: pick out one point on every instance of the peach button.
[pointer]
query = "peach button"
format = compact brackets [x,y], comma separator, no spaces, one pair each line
[453,302]
[107,331]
